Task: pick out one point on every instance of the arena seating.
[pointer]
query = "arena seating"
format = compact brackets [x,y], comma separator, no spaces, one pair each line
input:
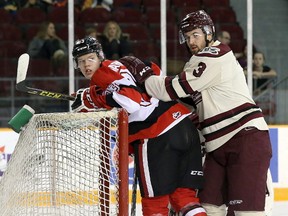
[59,15]
[139,19]
[5,16]
[30,16]
[127,16]
[12,48]
[188,4]
[137,32]
[94,15]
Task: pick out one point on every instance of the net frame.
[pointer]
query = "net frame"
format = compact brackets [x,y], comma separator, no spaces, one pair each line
[93,145]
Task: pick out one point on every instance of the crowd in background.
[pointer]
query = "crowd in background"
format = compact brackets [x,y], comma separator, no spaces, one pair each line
[48,45]
[115,43]
[262,73]
[48,42]
[14,5]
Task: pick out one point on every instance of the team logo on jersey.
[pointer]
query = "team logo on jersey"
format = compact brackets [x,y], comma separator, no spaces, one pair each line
[113,87]
[235,202]
[196,173]
[177,115]
[210,50]
[196,97]
[115,66]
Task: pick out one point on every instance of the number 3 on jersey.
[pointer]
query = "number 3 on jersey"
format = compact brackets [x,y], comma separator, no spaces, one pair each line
[199,70]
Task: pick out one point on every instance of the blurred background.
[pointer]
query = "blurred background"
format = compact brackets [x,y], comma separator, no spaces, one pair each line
[139,22]
[46,29]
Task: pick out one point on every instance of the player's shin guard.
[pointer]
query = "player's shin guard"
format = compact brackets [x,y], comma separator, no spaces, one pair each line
[249,213]
[155,206]
[181,197]
[213,210]
[186,202]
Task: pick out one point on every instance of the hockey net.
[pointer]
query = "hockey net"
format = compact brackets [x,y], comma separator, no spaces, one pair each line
[69,164]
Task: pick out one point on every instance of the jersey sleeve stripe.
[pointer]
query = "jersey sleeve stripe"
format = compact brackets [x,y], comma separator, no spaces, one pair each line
[170,89]
[184,83]
[178,86]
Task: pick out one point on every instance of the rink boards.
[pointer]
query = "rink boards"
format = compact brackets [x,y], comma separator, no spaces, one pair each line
[278,167]
[279,161]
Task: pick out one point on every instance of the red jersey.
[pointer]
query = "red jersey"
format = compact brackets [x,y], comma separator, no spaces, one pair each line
[148,116]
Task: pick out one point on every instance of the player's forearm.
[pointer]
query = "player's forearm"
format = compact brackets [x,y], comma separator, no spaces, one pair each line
[155,87]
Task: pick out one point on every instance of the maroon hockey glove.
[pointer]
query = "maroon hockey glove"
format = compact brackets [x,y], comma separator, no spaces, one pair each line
[137,68]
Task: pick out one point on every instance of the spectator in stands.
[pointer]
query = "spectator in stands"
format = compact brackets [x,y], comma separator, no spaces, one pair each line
[107,4]
[224,37]
[91,31]
[261,73]
[46,44]
[114,44]
[36,4]
[10,5]
[89,4]
[56,3]
[242,57]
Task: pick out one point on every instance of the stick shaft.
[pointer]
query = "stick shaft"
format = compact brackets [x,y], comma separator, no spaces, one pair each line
[45,93]
[134,192]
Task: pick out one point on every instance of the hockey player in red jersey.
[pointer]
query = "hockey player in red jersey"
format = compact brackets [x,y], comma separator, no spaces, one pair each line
[236,134]
[165,142]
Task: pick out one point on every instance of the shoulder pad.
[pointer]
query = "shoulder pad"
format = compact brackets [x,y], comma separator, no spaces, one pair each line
[214,51]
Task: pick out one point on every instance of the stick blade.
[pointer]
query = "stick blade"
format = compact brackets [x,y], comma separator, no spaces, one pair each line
[23,63]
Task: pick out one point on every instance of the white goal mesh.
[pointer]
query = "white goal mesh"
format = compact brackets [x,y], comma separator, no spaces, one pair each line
[69,164]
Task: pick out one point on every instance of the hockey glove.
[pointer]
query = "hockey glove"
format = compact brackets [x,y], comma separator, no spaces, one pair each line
[137,68]
[82,103]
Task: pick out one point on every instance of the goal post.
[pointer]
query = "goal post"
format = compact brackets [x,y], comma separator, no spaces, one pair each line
[69,164]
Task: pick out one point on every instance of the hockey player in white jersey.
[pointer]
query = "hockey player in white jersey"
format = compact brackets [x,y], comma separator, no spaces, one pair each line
[236,134]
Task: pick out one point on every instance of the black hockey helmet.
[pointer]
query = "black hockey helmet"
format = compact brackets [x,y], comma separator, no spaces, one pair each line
[198,19]
[87,45]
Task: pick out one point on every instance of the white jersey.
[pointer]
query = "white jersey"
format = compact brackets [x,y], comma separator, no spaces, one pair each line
[216,82]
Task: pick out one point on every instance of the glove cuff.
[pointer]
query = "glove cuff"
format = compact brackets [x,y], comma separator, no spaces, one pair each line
[89,93]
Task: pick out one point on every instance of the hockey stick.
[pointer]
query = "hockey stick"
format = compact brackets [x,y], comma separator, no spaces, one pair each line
[134,192]
[23,63]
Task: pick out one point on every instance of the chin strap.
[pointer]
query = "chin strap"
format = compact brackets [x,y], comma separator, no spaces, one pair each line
[207,30]
[207,41]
